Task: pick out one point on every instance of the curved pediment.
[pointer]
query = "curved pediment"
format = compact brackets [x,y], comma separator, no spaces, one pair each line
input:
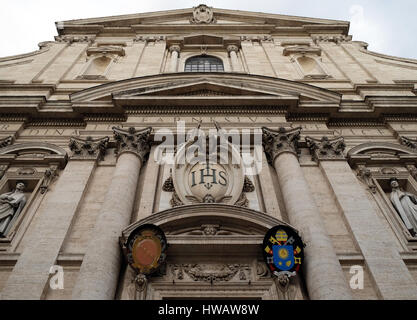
[380,152]
[271,90]
[195,219]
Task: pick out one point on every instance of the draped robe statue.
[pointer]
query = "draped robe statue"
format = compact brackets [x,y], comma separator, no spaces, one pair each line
[11,204]
[406,205]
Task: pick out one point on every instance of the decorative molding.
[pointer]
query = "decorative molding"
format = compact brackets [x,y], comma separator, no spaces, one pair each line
[26,171]
[277,142]
[72,39]
[149,39]
[211,272]
[248,185]
[50,174]
[365,175]
[326,149]
[411,143]
[301,49]
[332,38]
[202,14]
[116,50]
[88,148]
[132,140]
[4,142]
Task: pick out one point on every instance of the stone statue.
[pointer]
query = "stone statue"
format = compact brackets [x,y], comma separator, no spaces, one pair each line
[406,205]
[11,204]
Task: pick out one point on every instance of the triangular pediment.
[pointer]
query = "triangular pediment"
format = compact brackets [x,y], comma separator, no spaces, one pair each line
[202,88]
[184,17]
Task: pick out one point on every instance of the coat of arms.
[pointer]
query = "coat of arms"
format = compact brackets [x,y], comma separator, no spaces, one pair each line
[202,14]
[283,251]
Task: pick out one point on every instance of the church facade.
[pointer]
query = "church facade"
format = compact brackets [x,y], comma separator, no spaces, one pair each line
[297,125]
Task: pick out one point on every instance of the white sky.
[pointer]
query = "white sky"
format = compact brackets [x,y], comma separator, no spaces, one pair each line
[389,26]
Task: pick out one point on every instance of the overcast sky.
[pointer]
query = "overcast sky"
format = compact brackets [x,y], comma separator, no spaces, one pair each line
[389,26]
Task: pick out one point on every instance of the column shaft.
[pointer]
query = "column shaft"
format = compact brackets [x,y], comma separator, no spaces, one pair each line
[323,273]
[101,265]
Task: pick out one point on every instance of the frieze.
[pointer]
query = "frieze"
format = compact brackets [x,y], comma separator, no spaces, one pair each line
[211,272]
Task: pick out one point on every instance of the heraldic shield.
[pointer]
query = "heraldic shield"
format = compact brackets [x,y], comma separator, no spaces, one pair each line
[283,257]
[283,250]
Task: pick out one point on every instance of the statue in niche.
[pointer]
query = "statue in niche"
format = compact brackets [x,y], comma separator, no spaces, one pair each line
[11,204]
[406,205]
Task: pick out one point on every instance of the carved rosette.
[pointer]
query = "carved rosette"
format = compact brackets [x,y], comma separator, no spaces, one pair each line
[132,140]
[411,143]
[4,142]
[279,141]
[326,149]
[89,148]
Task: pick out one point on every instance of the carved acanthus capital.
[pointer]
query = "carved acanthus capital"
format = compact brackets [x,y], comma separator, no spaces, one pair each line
[326,149]
[89,148]
[4,142]
[132,140]
[232,48]
[175,48]
[411,143]
[279,141]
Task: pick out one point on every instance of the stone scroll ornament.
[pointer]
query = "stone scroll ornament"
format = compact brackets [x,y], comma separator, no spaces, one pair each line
[283,252]
[145,249]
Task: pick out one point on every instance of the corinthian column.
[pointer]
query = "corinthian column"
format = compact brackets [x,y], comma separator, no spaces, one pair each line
[233,50]
[175,52]
[323,273]
[101,264]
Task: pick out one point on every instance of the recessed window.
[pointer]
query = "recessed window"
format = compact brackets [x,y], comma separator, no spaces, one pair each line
[204,64]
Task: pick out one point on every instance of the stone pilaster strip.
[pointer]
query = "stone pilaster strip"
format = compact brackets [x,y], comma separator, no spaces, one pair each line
[88,148]
[326,149]
[133,141]
[276,142]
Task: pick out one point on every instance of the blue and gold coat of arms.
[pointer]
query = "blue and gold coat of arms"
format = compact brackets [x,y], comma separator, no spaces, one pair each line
[283,250]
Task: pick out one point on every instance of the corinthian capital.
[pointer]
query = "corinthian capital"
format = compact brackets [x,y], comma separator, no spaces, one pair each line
[326,149]
[411,143]
[4,142]
[233,48]
[88,148]
[132,140]
[277,142]
[175,48]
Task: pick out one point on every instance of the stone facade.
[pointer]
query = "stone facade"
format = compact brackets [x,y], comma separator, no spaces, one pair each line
[81,122]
